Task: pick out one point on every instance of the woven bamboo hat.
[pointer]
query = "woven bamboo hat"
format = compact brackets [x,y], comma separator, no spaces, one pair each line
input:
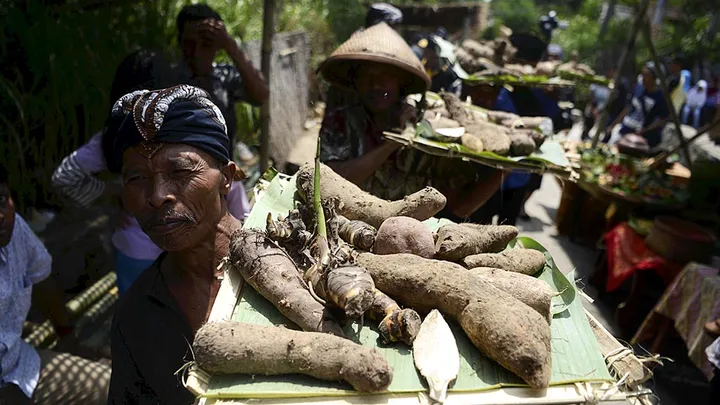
[380,44]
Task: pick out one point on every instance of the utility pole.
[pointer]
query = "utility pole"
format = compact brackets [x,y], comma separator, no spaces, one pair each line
[266,60]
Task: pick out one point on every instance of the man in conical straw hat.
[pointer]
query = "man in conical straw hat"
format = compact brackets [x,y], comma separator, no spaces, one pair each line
[381,67]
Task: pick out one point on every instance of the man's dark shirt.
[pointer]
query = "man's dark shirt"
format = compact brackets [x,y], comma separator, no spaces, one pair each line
[150,342]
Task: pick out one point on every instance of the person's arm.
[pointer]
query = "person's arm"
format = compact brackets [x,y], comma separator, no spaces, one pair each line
[46,295]
[357,170]
[257,90]
[75,177]
[464,204]
[619,118]
[655,125]
[51,301]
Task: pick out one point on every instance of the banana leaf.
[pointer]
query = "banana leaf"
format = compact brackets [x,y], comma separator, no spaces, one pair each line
[584,78]
[576,355]
[549,158]
[524,80]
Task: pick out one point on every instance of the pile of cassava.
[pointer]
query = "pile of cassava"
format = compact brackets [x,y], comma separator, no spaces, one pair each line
[495,131]
[350,255]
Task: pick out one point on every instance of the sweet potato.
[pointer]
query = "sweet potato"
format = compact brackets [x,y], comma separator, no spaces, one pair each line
[537,136]
[357,204]
[499,117]
[269,270]
[521,144]
[525,261]
[404,235]
[502,327]
[240,348]
[534,292]
[457,241]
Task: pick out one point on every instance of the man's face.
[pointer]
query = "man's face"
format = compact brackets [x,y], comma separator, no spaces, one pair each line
[7,215]
[176,195]
[648,78]
[197,48]
[379,86]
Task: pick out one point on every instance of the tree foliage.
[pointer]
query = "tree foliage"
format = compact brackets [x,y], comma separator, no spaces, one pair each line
[518,15]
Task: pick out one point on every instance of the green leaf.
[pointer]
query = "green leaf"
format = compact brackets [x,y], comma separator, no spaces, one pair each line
[550,274]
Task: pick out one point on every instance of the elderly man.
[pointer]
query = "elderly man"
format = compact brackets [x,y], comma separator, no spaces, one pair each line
[171,146]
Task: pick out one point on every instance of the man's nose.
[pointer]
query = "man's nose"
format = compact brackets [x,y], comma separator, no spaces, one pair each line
[160,193]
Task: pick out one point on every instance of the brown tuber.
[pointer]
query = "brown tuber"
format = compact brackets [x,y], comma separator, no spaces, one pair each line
[525,261]
[240,348]
[502,327]
[404,235]
[457,241]
[532,291]
[521,144]
[357,204]
[269,270]
[395,324]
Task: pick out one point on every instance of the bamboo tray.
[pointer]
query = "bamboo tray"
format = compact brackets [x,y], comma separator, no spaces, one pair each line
[578,365]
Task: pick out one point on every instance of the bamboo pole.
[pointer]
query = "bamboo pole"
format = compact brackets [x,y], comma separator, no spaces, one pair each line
[639,18]
[665,91]
[267,46]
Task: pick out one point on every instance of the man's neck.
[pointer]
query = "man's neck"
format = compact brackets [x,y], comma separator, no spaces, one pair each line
[202,260]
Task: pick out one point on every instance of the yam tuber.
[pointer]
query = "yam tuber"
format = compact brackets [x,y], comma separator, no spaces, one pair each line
[395,324]
[532,291]
[356,233]
[240,348]
[493,140]
[269,270]
[357,204]
[502,327]
[404,235]
[457,241]
[525,261]
[521,144]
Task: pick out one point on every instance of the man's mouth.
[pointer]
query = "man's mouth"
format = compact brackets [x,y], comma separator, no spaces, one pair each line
[166,225]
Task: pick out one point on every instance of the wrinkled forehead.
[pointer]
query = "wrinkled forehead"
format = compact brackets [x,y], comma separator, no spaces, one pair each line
[169,156]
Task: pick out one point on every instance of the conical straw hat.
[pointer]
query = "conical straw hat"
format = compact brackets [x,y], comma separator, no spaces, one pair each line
[380,44]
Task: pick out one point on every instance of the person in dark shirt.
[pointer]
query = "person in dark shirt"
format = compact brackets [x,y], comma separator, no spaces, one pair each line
[201,35]
[647,112]
[171,148]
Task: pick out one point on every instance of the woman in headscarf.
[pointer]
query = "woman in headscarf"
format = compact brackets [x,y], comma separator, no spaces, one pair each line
[694,104]
[75,178]
[382,68]
[171,147]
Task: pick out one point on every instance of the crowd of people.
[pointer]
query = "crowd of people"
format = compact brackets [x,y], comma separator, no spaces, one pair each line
[170,138]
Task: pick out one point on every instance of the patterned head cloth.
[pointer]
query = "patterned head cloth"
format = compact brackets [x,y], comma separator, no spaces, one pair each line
[180,114]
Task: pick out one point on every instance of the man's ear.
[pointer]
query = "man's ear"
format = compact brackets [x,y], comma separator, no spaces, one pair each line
[229,171]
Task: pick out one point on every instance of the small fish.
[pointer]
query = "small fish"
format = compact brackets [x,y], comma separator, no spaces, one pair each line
[436,355]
